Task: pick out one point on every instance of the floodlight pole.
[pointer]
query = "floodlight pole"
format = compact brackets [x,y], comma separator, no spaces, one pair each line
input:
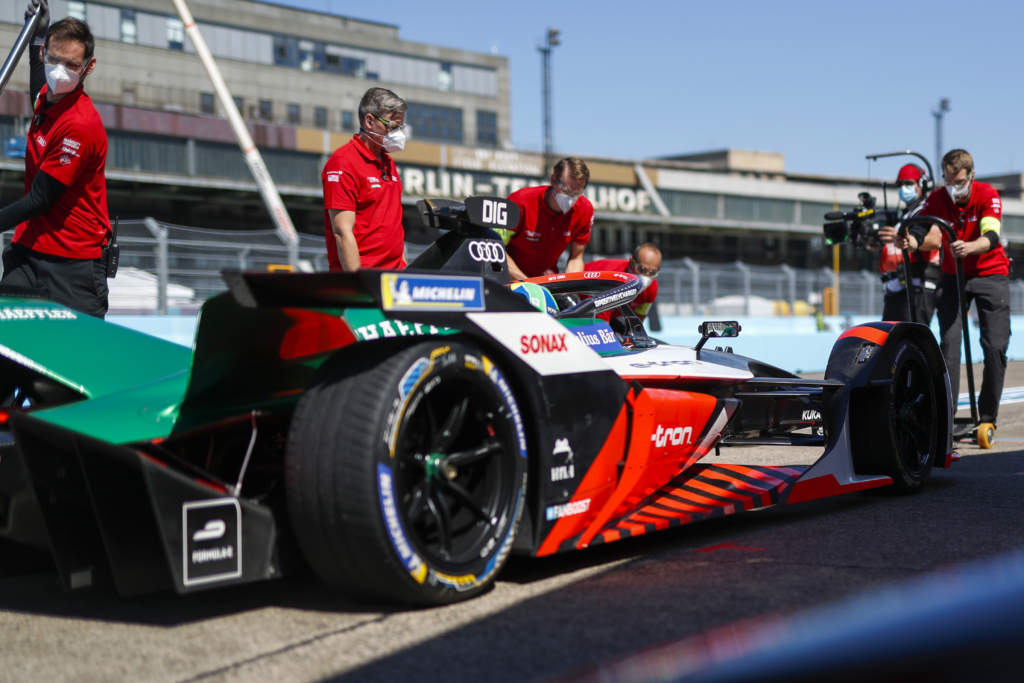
[938,113]
[551,40]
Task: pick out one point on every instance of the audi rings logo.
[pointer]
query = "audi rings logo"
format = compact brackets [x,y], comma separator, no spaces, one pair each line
[487,252]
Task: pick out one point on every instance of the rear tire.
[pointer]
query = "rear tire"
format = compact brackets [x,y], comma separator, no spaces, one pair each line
[405,473]
[901,440]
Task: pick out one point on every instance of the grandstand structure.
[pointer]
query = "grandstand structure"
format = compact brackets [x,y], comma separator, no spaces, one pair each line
[297,77]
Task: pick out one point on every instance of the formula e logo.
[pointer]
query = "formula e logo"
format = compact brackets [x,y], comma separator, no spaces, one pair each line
[487,252]
[676,436]
[494,212]
[542,343]
[562,451]
[213,530]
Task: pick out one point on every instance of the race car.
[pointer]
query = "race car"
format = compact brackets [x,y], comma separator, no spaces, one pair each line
[400,433]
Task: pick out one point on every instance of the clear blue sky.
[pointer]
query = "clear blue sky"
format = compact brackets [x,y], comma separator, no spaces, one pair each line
[824,83]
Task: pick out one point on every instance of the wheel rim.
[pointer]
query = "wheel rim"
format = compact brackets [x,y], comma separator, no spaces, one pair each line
[454,471]
[912,414]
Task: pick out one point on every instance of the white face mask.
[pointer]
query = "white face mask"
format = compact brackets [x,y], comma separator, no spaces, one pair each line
[59,79]
[394,141]
[958,192]
[564,201]
[646,281]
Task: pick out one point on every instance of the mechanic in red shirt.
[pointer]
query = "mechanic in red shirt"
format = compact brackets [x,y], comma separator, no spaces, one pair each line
[925,268]
[645,262]
[975,211]
[553,217]
[59,245]
[362,190]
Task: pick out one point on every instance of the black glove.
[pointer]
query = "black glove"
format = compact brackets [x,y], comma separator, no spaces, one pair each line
[44,16]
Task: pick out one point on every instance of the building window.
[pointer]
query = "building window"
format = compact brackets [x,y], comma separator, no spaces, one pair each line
[206,102]
[348,120]
[320,117]
[76,9]
[266,110]
[346,66]
[128,32]
[294,114]
[175,34]
[286,51]
[487,128]
[444,76]
[307,56]
[434,122]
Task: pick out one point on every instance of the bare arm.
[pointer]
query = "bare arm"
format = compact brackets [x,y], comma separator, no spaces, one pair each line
[514,270]
[343,224]
[575,262]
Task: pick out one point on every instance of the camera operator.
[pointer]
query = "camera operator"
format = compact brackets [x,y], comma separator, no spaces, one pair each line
[925,270]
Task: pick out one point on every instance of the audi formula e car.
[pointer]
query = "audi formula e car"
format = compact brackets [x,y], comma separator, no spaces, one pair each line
[401,433]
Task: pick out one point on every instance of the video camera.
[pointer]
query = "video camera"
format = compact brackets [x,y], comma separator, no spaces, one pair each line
[860,226]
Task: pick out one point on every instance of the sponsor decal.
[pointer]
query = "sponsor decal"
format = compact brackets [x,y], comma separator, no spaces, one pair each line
[532,235]
[23,313]
[334,176]
[413,564]
[211,541]
[625,295]
[65,160]
[495,376]
[543,343]
[598,336]
[41,141]
[408,292]
[495,213]
[677,436]
[397,328]
[487,251]
[562,453]
[810,415]
[576,507]
[591,275]
[70,144]
[660,364]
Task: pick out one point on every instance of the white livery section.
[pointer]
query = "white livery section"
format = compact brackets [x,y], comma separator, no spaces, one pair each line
[541,341]
[672,361]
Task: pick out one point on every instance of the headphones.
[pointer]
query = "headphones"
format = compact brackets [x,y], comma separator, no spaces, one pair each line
[926,183]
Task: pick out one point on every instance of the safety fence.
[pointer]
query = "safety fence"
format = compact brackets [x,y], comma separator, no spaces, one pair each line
[168,268]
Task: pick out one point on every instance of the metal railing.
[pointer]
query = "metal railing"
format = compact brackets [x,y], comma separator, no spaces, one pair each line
[168,268]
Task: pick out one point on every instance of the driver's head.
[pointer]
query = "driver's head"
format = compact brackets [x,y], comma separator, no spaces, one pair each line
[909,181]
[645,262]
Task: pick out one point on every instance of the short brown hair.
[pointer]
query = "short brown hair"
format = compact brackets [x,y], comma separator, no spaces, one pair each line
[70,28]
[956,159]
[577,169]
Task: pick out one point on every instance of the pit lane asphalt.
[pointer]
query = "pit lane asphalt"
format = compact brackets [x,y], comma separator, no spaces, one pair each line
[546,617]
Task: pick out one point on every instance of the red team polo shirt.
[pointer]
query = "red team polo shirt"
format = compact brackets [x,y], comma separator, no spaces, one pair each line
[642,303]
[67,140]
[983,202]
[354,179]
[542,234]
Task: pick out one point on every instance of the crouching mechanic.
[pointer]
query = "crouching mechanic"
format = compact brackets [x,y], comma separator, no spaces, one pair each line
[645,262]
[975,211]
[60,243]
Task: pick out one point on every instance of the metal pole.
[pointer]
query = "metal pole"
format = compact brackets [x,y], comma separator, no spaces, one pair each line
[938,113]
[271,198]
[19,47]
[551,40]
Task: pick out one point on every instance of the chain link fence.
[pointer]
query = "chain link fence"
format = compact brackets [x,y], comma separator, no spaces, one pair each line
[168,268]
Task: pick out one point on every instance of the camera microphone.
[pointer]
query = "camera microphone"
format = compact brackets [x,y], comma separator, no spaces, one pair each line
[834,216]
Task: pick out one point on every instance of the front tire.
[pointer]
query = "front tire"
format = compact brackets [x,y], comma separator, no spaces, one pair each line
[405,473]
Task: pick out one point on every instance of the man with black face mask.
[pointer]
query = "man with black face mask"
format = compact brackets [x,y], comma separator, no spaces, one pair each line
[553,217]
[975,211]
[362,190]
[62,235]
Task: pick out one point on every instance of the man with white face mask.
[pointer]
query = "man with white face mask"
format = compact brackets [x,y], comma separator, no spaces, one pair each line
[975,211]
[362,190]
[60,244]
[553,217]
[925,269]
[645,263]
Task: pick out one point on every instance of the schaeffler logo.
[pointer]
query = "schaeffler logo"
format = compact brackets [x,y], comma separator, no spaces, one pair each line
[542,343]
[677,436]
[487,252]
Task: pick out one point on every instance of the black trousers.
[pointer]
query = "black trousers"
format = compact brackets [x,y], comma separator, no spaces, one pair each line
[80,284]
[922,301]
[991,296]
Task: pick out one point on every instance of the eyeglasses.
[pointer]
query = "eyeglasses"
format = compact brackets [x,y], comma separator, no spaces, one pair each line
[564,190]
[958,185]
[54,60]
[641,270]
[390,125]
